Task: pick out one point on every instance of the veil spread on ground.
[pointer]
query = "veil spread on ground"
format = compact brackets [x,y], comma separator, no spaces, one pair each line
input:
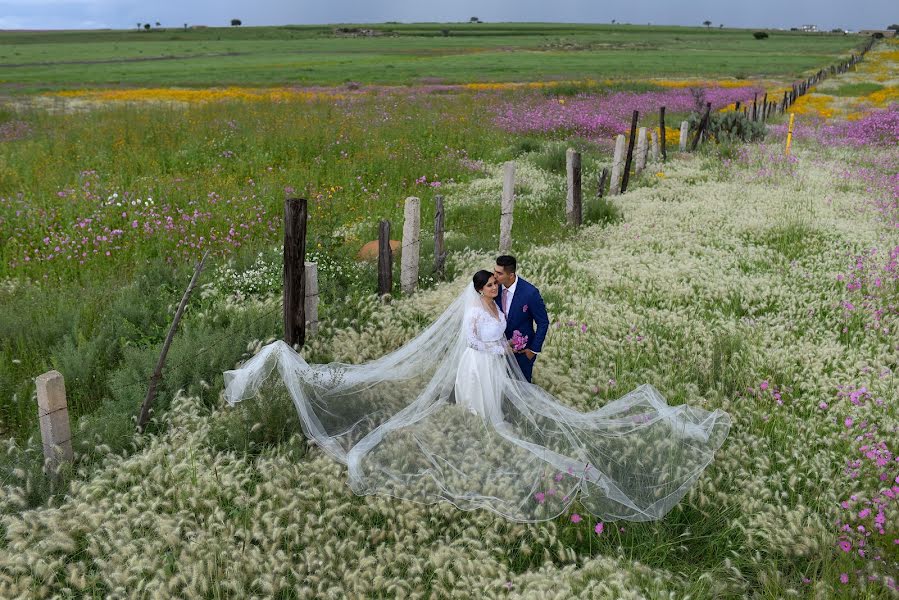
[396,425]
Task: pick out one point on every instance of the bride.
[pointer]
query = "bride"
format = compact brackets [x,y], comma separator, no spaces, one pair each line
[450,417]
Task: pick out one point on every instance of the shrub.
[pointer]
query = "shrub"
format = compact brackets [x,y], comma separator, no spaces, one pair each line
[760,35]
[601,210]
[729,127]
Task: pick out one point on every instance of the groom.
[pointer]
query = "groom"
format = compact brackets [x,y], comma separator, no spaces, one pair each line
[523,306]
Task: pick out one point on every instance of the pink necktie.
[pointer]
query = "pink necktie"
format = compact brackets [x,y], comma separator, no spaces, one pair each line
[505,301]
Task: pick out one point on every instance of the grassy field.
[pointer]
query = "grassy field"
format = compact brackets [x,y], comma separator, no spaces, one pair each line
[734,278]
[403,55]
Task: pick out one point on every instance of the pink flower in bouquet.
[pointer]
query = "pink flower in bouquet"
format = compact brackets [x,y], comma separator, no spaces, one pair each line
[518,341]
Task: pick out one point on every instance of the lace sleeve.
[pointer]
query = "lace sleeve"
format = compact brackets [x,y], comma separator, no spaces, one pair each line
[471,331]
[473,323]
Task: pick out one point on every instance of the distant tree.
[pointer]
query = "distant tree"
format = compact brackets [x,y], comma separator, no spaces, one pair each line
[147,26]
[721,26]
[185,27]
[138,26]
[894,27]
[474,20]
[707,23]
[157,24]
[613,21]
[236,23]
[837,30]
[760,35]
[445,32]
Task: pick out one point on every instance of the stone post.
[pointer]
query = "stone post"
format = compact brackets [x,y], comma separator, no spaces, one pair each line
[508,206]
[53,413]
[411,245]
[617,166]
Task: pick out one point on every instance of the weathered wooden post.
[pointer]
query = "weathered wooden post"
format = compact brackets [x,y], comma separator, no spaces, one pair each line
[312,298]
[53,414]
[385,260]
[655,145]
[573,204]
[765,105]
[603,178]
[439,246]
[411,252]
[507,208]
[702,125]
[737,106]
[295,218]
[755,108]
[662,134]
[617,166]
[642,148]
[630,152]
[684,131]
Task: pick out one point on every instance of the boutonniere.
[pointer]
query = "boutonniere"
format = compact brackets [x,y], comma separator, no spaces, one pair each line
[525,308]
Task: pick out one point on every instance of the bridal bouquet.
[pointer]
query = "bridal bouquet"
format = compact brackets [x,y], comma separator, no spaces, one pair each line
[518,341]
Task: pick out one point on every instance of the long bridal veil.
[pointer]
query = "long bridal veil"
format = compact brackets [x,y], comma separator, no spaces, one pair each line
[395,424]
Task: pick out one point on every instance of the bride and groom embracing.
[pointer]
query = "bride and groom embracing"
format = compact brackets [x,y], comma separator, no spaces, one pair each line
[452,416]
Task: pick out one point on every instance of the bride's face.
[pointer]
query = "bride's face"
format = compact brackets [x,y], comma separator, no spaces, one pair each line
[491,288]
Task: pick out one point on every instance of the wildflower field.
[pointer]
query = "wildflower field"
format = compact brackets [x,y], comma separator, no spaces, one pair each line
[737,277]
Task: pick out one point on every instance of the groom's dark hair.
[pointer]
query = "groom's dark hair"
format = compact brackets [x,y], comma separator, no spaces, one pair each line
[507,262]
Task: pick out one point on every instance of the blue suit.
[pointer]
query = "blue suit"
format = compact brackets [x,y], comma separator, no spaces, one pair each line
[527,315]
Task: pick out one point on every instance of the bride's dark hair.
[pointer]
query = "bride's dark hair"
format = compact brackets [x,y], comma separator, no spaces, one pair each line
[480,279]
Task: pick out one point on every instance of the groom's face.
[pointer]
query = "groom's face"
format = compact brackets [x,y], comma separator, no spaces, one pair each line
[503,276]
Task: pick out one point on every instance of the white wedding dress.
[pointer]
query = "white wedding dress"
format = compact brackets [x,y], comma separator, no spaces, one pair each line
[482,369]
[450,417]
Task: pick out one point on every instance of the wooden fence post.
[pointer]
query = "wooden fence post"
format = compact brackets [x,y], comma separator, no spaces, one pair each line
[684,131]
[439,247]
[603,178]
[385,260]
[53,414]
[642,151]
[617,166]
[295,218]
[411,250]
[312,298]
[630,152]
[662,134]
[702,125]
[507,208]
[573,205]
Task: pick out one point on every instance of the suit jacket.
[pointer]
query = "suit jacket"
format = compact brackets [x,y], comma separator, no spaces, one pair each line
[527,314]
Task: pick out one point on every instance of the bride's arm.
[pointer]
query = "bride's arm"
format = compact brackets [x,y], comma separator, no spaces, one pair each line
[472,331]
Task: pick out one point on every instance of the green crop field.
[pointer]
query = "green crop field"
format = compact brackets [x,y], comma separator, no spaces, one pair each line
[402,54]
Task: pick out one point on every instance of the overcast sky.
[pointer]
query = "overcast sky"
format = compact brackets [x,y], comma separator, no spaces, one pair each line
[90,14]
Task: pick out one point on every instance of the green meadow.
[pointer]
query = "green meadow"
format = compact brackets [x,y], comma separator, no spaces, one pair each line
[715,278]
[402,55]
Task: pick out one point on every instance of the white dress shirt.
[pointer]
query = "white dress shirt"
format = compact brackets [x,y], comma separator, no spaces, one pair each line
[510,292]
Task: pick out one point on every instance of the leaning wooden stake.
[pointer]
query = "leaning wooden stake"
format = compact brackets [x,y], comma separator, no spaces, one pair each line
[144,416]
[573,205]
[53,414]
[439,246]
[702,126]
